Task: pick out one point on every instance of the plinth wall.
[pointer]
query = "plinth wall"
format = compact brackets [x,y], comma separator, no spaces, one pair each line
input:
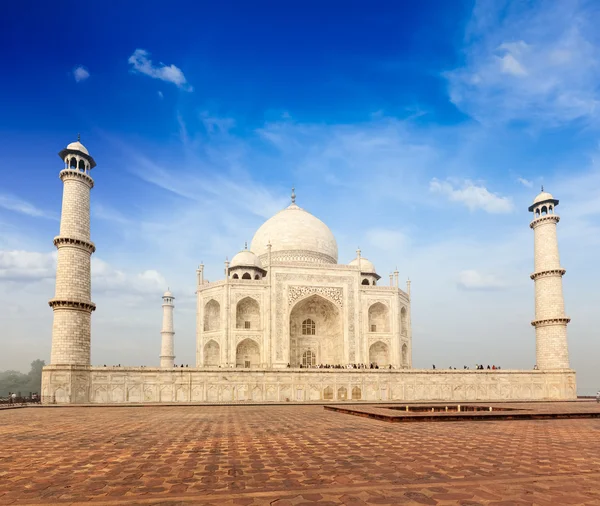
[119,385]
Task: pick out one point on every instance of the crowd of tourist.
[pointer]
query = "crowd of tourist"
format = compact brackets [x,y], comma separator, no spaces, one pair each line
[142,366]
[372,365]
[478,367]
[16,398]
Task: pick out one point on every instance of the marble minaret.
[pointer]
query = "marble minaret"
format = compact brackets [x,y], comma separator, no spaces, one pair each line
[550,321]
[167,353]
[72,304]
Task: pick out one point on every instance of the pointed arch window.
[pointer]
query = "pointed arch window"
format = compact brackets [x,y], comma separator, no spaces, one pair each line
[308,327]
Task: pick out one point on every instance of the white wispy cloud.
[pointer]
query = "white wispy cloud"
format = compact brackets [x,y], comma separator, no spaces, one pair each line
[473,196]
[536,62]
[215,124]
[106,278]
[475,280]
[18,205]
[525,182]
[141,62]
[33,266]
[27,266]
[80,73]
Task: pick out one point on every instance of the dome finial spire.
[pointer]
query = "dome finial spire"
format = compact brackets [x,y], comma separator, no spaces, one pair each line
[542,187]
[245,244]
[78,137]
[293,195]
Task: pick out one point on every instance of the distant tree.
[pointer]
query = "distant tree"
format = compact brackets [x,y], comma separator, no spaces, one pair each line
[35,376]
[15,381]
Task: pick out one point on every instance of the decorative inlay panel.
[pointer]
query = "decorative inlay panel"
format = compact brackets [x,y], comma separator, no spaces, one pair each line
[298,292]
[255,337]
[297,256]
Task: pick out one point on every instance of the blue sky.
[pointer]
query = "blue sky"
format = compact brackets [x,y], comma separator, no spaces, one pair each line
[417,131]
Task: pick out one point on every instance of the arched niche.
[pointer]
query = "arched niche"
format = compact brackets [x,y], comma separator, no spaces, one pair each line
[247,314]
[404,355]
[247,354]
[212,354]
[379,354]
[379,318]
[403,322]
[212,316]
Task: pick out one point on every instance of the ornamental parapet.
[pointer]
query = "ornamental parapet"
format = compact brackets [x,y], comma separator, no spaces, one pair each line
[88,246]
[72,304]
[77,175]
[551,272]
[383,288]
[542,219]
[210,284]
[550,321]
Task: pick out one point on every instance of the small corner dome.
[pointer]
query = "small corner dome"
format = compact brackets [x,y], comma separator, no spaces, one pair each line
[542,197]
[365,265]
[77,146]
[245,258]
[168,294]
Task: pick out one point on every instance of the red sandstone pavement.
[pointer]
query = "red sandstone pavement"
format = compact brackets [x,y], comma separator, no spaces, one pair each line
[292,455]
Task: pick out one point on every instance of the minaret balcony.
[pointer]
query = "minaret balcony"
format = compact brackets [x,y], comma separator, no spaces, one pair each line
[543,219]
[551,272]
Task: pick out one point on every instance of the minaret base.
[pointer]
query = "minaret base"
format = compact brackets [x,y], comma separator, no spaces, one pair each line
[551,344]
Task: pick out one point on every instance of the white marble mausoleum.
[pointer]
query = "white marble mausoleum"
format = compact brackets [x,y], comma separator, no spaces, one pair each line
[288,322]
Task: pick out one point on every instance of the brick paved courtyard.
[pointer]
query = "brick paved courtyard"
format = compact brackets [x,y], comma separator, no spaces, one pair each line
[286,455]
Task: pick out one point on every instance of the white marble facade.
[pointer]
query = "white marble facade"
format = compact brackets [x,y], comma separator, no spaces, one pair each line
[286,301]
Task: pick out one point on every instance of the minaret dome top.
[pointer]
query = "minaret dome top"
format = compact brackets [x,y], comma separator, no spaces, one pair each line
[541,198]
[76,148]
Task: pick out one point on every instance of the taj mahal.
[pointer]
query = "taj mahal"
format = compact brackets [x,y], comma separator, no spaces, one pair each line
[288,323]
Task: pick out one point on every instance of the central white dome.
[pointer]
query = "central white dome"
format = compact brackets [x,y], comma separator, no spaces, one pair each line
[295,236]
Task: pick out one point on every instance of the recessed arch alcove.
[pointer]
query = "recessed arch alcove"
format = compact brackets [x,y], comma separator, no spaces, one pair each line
[379,354]
[247,354]
[316,325]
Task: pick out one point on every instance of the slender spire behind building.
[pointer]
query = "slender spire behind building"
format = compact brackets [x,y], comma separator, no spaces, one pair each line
[167,348]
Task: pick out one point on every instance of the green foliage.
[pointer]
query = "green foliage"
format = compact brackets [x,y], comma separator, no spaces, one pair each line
[15,381]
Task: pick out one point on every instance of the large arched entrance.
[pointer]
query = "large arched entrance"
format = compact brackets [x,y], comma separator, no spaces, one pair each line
[247,354]
[316,327]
